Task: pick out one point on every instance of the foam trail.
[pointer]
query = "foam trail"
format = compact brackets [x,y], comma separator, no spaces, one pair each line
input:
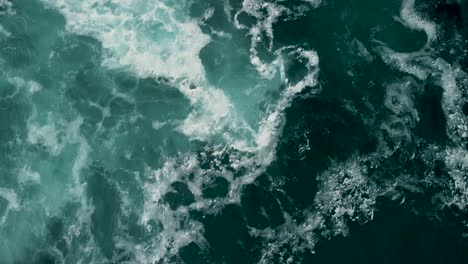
[264,25]
[399,100]
[157,39]
[168,50]
[262,150]
[124,29]
[13,204]
[456,160]
[271,126]
[6,8]
[27,175]
[422,65]
[125,35]
[425,66]
[412,20]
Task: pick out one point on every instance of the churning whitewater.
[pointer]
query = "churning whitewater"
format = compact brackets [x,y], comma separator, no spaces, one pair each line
[233,131]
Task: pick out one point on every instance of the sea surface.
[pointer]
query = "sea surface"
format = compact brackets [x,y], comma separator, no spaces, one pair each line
[233,131]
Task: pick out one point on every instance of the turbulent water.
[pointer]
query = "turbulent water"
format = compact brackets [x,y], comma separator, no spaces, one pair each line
[233,131]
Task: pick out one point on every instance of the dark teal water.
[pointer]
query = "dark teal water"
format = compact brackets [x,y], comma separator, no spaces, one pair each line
[254,131]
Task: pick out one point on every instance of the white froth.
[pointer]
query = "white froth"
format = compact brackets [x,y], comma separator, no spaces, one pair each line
[31,86]
[74,136]
[314,3]
[422,65]
[404,117]
[152,38]
[158,125]
[360,50]
[211,114]
[27,175]
[175,236]
[448,80]
[298,236]
[346,193]
[399,99]
[13,203]
[264,149]
[263,26]
[47,135]
[161,42]
[456,160]
[411,63]
[156,38]
[271,126]
[7,7]
[412,20]
[4,32]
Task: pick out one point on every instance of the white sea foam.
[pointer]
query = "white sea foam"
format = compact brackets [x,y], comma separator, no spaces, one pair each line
[287,242]
[412,20]
[4,33]
[7,7]
[456,160]
[422,66]
[31,86]
[399,99]
[165,42]
[264,26]
[212,112]
[152,38]
[404,117]
[13,202]
[271,126]
[46,135]
[426,67]
[126,34]
[158,125]
[155,39]
[177,233]
[263,152]
[346,193]
[26,175]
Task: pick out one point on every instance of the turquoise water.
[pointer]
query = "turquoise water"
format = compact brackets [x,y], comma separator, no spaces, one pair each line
[254,131]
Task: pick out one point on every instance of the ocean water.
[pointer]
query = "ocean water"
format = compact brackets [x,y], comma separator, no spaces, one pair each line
[233,131]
